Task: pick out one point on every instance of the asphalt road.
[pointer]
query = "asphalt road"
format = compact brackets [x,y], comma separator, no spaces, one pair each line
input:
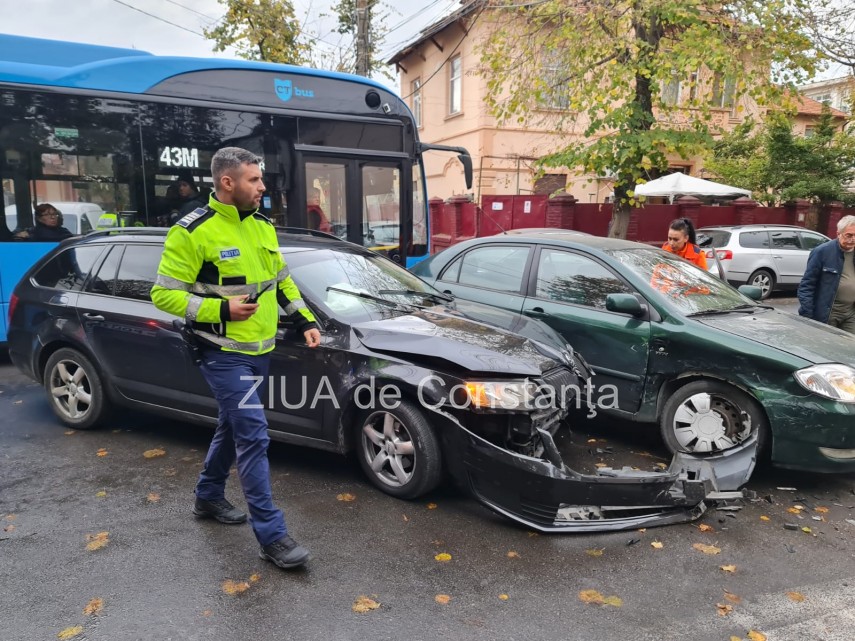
[162,575]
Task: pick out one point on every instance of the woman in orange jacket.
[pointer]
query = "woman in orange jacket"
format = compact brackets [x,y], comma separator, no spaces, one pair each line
[683,242]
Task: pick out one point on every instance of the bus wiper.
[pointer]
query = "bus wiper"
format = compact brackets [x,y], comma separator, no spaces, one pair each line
[716,312]
[374,299]
[435,297]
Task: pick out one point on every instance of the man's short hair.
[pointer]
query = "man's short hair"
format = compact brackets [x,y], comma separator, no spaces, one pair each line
[228,159]
[846,221]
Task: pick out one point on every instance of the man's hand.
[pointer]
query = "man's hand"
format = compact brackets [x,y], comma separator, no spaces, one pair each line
[313,337]
[240,311]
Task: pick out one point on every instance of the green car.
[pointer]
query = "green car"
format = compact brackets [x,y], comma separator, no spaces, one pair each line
[671,344]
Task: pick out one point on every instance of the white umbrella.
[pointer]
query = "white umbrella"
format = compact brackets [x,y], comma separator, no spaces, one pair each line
[678,184]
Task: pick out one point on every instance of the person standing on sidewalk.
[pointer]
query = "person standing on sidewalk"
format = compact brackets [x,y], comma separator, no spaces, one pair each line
[216,261]
[827,289]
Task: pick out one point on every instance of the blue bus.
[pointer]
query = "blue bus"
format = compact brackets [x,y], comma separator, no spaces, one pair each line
[131,133]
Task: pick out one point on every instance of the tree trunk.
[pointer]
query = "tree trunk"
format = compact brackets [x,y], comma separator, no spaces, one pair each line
[620,217]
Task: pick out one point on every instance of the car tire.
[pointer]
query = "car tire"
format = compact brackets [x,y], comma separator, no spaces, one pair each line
[765,280]
[398,450]
[75,391]
[708,417]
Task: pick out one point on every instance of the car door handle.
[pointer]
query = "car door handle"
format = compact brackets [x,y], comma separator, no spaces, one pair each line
[92,317]
[537,312]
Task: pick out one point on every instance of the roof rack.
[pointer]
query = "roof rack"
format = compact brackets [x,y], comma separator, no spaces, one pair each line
[144,231]
[306,232]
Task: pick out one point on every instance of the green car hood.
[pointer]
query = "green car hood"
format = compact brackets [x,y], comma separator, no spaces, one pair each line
[801,337]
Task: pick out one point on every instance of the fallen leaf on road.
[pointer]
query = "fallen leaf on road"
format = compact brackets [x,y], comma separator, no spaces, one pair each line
[153,497]
[97,541]
[821,510]
[807,530]
[600,465]
[431,506]
[595,598]
[70,432]
[170,471]
[364,604]
[154,453]
[207,613]
[253,578]
[11,517]
[442,599]
[642,530]
[732,597]
[94,607]
[662,466]
[504,597]
[657,544]
[723,609]
[706,549]
[765,518]
[533,534]
[735,638]
[728,568]
[703,527]
[102,452]
[595,552]
[798,597]
[235,587]
[102,494]
[9,528]
[794,510]
[513,555]
[443,557]
[406,518]
[347,497]
[753,635]
[70,633]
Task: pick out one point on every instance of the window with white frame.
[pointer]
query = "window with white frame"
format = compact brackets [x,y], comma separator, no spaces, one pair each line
[416,93]
[723,91]
[671,91]
[455,85]
[554,94]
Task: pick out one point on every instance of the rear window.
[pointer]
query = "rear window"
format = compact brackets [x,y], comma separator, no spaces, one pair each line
[713,238]
[68,270]
[754,239]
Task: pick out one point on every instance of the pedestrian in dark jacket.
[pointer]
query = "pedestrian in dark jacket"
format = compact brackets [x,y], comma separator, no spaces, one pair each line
[48,227]
[827,289]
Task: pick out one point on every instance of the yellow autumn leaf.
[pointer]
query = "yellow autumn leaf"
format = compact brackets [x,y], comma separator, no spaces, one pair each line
[442,599]
[102,452]
[347,497]
[794,510]
[364,604]
[94,607]
[513,555]
[657,544]
[97,541]
[703,527]
[70,633]
[532,534]
[728,568]
[753,635]
[765,518]
[504,597]
[591,596]
[431,506]
[406,518]
[154,453]
[235,587]
[807,530]
[821,510]
[443,557]
[642,530]
[798,597]
[102,494]
[732,597]
[253,578]
[732,638]
[153,497]
[600,465]
[613,601]
[595,552]
[662,466]
[706,549]
[723,609]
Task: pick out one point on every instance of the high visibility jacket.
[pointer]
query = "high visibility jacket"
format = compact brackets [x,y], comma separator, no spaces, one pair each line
[211,255]
[691,253]
[109,220]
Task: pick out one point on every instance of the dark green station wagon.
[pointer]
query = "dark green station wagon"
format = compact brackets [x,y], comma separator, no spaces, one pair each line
[671,344]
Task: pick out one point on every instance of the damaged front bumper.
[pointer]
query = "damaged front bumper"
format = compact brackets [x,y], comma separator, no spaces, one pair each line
[547,496]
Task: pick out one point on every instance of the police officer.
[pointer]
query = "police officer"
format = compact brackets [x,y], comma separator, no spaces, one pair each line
[214,259]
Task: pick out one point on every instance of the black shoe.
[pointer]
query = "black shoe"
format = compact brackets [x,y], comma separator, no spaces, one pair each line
[219,509]
[286,553]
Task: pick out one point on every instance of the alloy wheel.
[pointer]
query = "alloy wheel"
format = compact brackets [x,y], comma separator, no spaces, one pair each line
[388,449]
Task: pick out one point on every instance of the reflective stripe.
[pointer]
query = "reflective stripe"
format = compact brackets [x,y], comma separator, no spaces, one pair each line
[193,306]
[172,283]
[294,305]
[228,343]
[283,274]
[230,290]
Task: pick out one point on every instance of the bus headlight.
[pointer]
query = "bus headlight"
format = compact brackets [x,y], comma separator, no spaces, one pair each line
[831,380]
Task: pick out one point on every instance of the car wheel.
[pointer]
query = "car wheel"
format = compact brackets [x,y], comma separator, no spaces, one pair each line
[399,451]
[707,417]
[765,280]
[75,390]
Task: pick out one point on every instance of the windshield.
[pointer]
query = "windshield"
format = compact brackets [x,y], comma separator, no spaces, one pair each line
[685,285]
[316,271]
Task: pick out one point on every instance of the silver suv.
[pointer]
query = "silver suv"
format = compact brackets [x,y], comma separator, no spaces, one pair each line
[767,256]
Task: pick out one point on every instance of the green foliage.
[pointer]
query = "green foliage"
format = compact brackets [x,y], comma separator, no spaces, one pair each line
[260,30]
[778,166]
[612,66]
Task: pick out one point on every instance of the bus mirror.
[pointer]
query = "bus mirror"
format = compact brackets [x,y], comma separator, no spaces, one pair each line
[466,159]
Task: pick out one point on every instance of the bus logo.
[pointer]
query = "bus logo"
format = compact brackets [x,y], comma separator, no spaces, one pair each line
[285,89]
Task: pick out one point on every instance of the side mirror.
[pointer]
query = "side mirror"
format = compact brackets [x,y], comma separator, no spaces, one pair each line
[754,293]
[625,304]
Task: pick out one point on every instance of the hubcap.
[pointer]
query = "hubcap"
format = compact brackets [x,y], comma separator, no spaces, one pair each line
[707,423]
[388,448]
[71,389]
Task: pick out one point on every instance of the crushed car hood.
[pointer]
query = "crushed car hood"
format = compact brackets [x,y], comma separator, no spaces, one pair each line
[792,334]
[468,342]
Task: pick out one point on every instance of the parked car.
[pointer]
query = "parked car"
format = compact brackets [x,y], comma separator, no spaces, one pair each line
[480,391]
[78,218]
[682,348]
[767,256]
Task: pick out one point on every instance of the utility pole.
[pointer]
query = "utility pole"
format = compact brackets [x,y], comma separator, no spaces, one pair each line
[362,38]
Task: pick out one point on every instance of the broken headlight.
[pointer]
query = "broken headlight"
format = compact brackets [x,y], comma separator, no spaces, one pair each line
[831,380]
[505,395]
